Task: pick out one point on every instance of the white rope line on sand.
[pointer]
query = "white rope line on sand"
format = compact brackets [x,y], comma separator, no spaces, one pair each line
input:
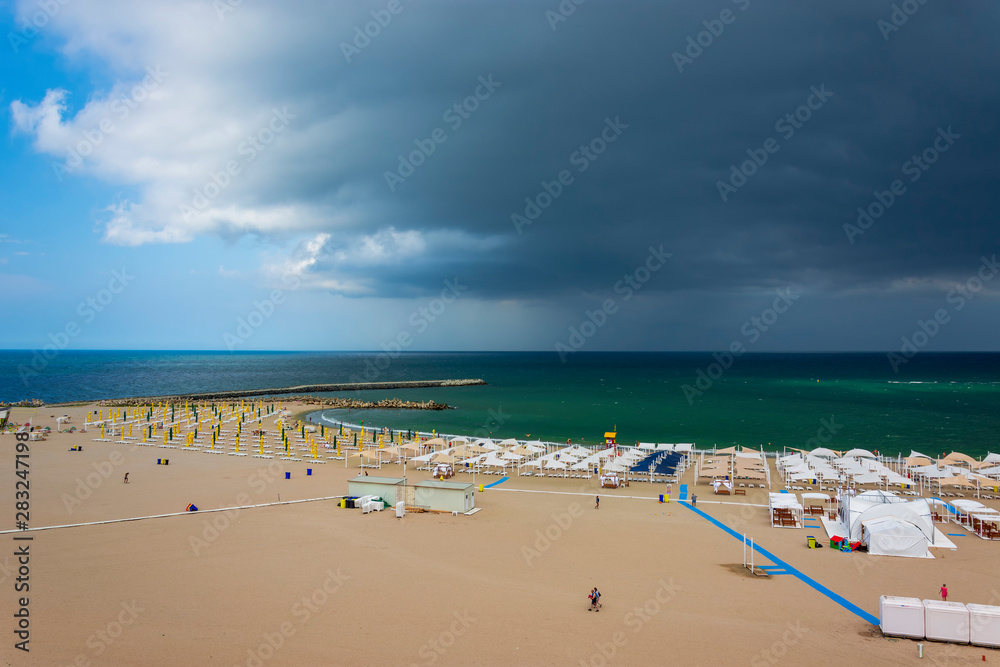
[573,493]
[160,516]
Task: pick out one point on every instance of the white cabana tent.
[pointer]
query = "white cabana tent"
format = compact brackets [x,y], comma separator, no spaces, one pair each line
[778,502]
[870,505]
[890,536]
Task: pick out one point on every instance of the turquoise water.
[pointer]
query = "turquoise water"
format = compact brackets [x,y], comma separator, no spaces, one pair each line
[937,403]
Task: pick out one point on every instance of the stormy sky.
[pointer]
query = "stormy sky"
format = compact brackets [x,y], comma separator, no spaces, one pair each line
[484,175]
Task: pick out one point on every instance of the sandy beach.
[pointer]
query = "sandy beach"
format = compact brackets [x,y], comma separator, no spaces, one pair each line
[311,583]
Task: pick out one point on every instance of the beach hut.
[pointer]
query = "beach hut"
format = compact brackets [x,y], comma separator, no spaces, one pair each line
[386,488]
[441,496]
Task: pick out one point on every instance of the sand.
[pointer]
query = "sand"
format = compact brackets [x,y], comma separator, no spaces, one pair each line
[310,583]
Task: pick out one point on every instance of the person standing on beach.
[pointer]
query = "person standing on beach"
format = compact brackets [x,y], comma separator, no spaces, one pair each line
[944,592]
[126,478]
[598,505]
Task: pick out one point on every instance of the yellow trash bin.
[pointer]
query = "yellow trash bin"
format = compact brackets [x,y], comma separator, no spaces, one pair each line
[811,541]
[343,503]
[666,497]
[481,488]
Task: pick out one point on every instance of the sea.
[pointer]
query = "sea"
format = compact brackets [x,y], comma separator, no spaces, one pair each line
[932,403]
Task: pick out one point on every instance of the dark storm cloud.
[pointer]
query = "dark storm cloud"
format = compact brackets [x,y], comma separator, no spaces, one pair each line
[657,182]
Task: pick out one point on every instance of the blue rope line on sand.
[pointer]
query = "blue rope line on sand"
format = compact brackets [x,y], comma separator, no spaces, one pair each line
[850,606]
[499,481]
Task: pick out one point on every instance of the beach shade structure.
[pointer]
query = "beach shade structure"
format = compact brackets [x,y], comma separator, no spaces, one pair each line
[955,480]
[824,453]
[191,508]
[958,458]
[918,461]
[859,453]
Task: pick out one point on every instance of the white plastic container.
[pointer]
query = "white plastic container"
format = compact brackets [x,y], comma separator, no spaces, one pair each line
[400,509]
[984,625]
[901,617]
[946,621]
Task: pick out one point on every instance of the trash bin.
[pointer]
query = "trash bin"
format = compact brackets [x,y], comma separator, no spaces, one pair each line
[810,541]
[343,503]
[481,488]
[288,475]
[309,471]
[661,497]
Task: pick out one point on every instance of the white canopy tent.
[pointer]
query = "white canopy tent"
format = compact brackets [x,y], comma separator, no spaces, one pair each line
[871,505]
[891,536]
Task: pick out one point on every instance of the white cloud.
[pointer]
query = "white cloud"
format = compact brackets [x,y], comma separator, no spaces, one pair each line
[222,128]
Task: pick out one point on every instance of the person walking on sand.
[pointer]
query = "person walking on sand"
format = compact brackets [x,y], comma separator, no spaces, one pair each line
[595,600]
[944,592]
[598,505]
[126,478]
